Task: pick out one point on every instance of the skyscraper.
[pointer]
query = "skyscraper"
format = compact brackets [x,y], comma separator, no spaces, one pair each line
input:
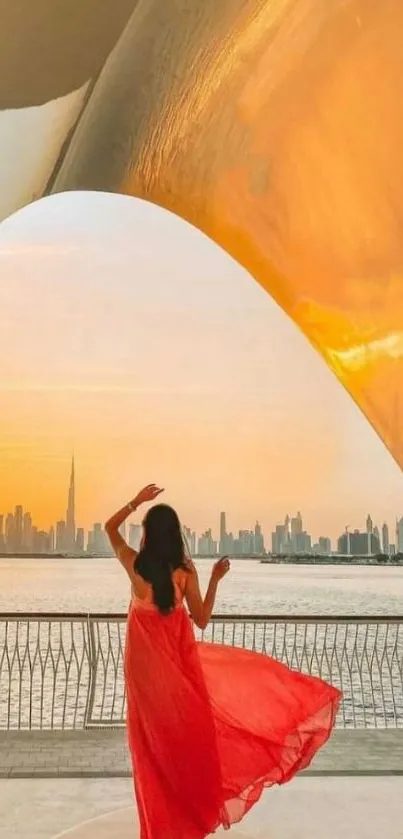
[60,536]
[18,517]
[27,541]
[100,539]
[80,540]
[258,539]
[280,538]
[223,534]
[296,533]
[207,546]
[385,539]
[9,535]
[369,534]
[296,525]
[399,535]
[70,514]
[52,540]
[325,545]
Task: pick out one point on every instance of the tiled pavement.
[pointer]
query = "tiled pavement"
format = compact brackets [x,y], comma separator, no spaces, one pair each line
[103,754]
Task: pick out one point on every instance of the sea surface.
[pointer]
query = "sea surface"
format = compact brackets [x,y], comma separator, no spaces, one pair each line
[101,585]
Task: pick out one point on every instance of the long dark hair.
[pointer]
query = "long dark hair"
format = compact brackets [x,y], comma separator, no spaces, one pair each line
[162,552]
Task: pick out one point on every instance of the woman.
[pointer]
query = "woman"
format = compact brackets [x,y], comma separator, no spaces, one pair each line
[209,726]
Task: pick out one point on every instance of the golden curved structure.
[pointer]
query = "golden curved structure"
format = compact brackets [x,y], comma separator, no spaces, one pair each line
[276,127]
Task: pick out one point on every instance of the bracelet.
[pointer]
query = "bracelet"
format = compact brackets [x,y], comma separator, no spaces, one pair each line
[131,507]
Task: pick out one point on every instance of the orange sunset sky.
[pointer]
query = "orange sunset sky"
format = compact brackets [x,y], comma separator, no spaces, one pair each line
[131,339]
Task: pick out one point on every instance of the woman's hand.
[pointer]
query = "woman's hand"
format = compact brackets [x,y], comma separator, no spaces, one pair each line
[201,609]
[220,569]
[149,493]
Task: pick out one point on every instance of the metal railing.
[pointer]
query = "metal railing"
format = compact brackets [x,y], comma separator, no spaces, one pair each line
[64,671]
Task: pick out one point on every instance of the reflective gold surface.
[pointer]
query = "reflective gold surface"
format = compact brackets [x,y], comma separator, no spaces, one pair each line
[49,48]
[275,126]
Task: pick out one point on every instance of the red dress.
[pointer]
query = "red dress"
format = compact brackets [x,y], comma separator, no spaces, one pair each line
[210,726]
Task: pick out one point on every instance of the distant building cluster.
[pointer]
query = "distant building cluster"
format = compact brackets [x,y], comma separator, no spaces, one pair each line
[372,541]
[246,543]
[291,538]
[19,535]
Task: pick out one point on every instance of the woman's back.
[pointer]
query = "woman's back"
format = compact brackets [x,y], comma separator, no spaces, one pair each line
[142,591]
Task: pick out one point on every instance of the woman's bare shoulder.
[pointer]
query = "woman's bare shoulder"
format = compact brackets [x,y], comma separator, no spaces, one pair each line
[189,565]
[181,576]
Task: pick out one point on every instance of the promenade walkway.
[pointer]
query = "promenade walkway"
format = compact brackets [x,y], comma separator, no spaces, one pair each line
[103,754]
[77,785]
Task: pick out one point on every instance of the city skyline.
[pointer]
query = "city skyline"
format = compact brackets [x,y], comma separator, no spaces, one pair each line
[19,534]
[132,340]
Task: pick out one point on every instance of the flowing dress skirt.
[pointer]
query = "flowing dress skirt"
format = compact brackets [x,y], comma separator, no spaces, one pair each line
[209,726]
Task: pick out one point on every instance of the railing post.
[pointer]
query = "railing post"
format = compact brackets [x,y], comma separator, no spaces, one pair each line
[92,681]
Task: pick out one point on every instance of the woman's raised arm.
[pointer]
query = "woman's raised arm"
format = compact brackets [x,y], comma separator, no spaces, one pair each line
[124,553]
[201,609]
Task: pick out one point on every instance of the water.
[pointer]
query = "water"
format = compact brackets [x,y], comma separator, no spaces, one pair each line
[101,585]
